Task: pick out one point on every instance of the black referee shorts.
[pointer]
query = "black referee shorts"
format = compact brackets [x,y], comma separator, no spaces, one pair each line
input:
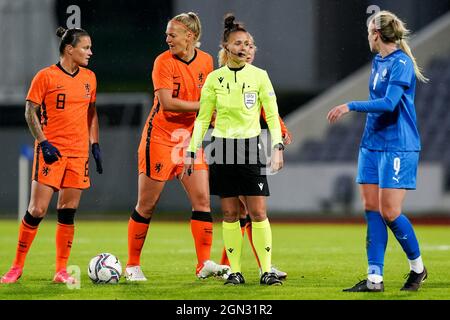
[228,180]
[237,168]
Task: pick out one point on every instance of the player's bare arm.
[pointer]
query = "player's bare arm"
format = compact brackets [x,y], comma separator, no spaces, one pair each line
[337,113]
[188,167]
[175,105]
[93,136]
[277,160]
[93,123]
[32,118]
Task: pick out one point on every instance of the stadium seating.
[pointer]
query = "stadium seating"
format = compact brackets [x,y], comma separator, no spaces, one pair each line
[432,101]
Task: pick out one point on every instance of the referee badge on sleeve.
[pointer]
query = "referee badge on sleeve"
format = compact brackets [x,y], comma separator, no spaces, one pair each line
[249,99]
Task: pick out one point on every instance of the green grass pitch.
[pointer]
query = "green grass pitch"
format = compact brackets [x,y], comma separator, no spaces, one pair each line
[321,260]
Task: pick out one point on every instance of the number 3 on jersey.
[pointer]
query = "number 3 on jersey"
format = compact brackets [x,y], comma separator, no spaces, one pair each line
[176,91]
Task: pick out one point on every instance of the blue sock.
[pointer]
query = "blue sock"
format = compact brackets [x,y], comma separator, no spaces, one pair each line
[404,232]
[376,242]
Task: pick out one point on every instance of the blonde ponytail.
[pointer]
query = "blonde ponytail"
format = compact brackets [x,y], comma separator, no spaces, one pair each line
[403,43]
[392,29]
[192,22]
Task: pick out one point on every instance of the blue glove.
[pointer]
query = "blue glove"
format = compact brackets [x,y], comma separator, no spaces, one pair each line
[50,152]
[97,157]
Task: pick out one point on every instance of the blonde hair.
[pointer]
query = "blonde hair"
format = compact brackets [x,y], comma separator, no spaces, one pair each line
[192,22]
[222,57]
[392,29]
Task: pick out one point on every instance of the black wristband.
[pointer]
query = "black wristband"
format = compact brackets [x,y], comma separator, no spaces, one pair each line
[190,154]
[279,146]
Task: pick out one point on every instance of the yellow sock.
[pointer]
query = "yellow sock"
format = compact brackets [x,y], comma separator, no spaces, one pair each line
[262,240]
[232,238]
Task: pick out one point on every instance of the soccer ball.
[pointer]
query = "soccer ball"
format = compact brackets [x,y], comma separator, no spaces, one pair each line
[105,268]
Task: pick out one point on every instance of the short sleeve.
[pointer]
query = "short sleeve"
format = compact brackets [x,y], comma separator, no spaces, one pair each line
[162,74]
[402,72]
[94,88]
[210,65]
[38,88]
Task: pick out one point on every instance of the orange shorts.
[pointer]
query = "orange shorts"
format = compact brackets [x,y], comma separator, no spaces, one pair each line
[164,163]
[67,172]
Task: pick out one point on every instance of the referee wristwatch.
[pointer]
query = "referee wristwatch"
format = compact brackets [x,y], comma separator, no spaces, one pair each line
[190,154]
[279,146]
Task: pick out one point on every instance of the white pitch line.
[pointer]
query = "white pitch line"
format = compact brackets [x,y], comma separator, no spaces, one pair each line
[443,247]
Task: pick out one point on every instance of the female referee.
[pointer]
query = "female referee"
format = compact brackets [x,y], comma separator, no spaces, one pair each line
[389,150]
[65,95]
[244,217]
[237,91]
[178,76]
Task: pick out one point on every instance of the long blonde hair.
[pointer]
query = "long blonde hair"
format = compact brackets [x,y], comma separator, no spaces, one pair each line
[192,22]
[392,29]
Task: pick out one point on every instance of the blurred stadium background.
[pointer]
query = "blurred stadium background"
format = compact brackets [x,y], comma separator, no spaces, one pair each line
[316,54]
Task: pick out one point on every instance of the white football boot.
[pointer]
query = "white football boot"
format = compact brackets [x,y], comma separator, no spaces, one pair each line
[134,273]
[281,274]
[210,268]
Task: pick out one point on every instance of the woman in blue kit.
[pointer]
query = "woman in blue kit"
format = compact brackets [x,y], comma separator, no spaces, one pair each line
[389,150]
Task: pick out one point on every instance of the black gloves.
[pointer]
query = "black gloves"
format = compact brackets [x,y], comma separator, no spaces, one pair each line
[97,157]
[50,152]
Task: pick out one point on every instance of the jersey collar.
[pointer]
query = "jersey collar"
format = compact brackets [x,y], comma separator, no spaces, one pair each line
[380,58]
[70,74]
[187,62]
[237,69]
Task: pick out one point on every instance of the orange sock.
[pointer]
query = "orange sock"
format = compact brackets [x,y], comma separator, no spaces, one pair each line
[137,232]
[202,231]
[27,233]
[248,227]
[224,259]
[64,239]
[65,230]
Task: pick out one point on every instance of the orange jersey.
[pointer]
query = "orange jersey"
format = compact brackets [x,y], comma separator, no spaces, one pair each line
[186,80]
[284,129]
[64,101]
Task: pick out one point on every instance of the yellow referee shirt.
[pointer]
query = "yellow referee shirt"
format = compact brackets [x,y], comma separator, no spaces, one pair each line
[237,95]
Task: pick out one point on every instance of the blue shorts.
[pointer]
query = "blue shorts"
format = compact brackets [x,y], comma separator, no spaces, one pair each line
[388,169]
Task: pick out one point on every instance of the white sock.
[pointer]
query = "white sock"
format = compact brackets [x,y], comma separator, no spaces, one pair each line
[416,265]
[375,278]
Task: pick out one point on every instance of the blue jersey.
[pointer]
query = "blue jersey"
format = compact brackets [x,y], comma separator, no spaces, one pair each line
[390,128]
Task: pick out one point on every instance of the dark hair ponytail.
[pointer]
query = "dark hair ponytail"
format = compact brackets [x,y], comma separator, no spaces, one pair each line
[229,21]
[69,37]
[230,26]
[60,31]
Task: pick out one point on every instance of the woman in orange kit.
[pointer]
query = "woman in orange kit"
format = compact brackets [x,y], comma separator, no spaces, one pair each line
[65,95]
[178,76]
